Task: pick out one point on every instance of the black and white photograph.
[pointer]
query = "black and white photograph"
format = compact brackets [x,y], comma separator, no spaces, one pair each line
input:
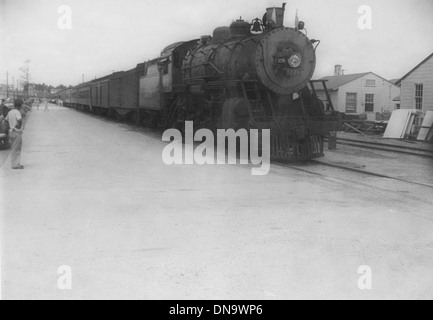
[216,155]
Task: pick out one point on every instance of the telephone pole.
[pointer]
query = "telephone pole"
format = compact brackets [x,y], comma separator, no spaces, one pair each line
[7,84]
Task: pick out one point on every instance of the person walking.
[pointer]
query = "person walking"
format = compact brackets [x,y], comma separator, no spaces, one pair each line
[46,105]
[16,134]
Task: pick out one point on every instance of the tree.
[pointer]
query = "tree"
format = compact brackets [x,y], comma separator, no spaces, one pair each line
[25,77]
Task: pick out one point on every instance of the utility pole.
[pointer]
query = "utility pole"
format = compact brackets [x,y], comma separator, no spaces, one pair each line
[25,77]
[13,87]
[7,84]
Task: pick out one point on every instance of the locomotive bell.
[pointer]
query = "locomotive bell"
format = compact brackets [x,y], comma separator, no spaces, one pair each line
[257,25]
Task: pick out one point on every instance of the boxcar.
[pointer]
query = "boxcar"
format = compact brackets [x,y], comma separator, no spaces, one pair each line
[100,95]
[81,97]
[124,93]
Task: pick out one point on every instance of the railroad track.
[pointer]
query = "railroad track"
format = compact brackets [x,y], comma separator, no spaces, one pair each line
[408,150]
[387,147]
[372,145]
[345,168]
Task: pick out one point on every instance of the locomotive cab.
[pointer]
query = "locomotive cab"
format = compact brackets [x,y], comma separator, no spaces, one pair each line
[161,75]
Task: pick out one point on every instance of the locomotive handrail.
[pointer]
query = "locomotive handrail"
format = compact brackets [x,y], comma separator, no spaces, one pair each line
[204,64]
[325,87]
[215,67]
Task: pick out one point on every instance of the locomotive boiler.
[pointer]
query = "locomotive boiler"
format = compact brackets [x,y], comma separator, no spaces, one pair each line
[281,59]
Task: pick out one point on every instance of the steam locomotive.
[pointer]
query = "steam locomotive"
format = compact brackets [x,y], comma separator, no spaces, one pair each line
[250,75]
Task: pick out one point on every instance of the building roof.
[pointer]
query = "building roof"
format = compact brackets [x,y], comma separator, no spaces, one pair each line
[410,72]
[335,82]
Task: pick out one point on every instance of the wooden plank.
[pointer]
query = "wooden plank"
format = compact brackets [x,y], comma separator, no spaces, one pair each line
[426,126]
[353,128]
[430,135]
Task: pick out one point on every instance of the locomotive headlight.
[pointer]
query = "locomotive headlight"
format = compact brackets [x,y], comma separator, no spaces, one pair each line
[295,61]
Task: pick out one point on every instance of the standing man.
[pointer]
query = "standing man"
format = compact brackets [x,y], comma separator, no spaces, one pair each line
[16,134]
[46,105]
[4,110]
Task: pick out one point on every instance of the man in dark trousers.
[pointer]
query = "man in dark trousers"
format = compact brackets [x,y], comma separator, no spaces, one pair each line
[16,134]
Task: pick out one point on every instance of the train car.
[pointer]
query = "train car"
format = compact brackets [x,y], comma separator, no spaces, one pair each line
[124,93]
[81,97]
[65,96]
[62,95]
[99,95]
[68,97]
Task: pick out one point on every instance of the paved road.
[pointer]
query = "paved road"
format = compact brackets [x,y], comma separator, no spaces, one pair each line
[96,196]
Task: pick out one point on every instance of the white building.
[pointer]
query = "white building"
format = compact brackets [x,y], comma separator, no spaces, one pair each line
[417,87]
[363,93]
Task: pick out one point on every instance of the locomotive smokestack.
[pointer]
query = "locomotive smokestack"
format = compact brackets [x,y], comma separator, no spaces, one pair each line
[275,16]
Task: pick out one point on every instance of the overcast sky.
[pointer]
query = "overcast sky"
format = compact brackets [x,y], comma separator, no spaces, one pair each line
[114,35]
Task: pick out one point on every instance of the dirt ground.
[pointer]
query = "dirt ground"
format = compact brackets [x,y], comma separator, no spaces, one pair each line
[95,196]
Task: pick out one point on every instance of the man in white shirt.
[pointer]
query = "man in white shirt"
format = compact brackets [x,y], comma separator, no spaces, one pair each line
[16,134]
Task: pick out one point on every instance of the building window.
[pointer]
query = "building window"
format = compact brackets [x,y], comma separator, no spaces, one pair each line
[370,83]
[369,102]
[419,92]
[351,102]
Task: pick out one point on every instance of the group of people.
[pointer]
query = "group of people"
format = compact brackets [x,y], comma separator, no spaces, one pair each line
[14,118]
[45,102]
[15,122]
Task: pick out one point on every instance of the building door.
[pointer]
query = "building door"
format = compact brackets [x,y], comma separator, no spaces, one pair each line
[369,102]
[351,102]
